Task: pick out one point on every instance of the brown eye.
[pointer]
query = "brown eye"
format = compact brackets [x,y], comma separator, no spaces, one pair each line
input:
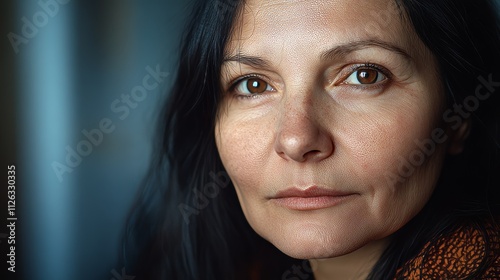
[367,76]
[252,86]
[255,85]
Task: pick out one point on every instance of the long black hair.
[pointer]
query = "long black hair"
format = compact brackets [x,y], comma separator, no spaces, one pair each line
[187,223]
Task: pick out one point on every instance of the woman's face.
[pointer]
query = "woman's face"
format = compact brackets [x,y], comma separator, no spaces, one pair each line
[325,103]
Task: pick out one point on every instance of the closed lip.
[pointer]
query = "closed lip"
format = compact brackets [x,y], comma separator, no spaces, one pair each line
[313,191]
[311,198]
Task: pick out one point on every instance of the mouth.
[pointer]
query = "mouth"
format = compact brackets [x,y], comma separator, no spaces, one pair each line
[312,198]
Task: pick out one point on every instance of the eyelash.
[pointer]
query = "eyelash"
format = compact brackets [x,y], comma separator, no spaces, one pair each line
[356,67]
[237,82]
[352,69]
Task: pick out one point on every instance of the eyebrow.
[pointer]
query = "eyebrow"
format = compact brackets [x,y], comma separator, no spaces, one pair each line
[334,53]
[343,50]
[253,61]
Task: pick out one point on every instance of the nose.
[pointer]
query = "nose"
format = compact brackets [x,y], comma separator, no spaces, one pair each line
[301,136]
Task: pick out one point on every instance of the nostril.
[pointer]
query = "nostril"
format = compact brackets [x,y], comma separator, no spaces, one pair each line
[311,154]
[314,154]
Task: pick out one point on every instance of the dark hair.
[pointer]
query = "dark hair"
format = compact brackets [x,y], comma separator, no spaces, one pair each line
[174,233]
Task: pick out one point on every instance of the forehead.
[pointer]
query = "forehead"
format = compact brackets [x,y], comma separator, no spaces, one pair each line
[270,25]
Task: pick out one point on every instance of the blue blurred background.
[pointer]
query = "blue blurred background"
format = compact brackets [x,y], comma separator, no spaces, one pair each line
[64,64]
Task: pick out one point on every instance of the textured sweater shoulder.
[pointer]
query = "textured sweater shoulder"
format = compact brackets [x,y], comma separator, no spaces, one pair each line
[458,255]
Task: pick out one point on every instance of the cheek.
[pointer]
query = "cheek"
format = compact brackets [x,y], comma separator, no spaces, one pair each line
[376,146]
[244,151]
[239,148]
[377,137]
[383,156]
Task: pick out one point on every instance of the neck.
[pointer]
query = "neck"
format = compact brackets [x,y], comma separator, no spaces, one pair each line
[353,266]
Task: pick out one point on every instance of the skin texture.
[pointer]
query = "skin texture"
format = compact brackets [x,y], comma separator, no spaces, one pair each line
[315,125]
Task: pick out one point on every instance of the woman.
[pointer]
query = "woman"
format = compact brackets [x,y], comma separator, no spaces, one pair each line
[362,136]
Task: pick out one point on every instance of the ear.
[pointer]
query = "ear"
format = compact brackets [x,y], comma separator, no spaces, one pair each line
[457,140]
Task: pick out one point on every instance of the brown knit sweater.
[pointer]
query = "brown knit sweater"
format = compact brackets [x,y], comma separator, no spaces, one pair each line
[457,256]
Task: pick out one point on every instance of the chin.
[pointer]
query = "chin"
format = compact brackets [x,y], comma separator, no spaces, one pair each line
[316,251]
[309,244]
